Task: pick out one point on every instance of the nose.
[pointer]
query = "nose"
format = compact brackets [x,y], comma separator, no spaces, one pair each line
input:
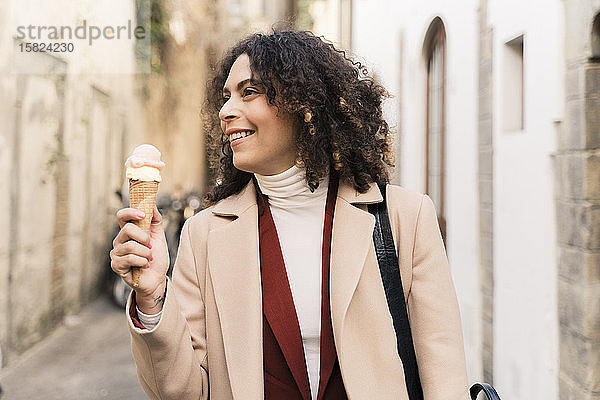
[228,112]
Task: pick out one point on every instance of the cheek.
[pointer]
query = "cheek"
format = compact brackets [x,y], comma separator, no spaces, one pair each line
[286,141]
[288,136]
[276,131]
[262,113]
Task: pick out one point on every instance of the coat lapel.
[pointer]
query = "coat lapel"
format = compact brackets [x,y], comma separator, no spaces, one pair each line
[350,243]
[233,257]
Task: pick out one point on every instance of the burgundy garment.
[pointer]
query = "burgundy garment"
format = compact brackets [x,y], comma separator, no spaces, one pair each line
[286,376]
[134,315]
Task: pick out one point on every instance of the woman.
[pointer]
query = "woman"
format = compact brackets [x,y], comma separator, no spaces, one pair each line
[276,291]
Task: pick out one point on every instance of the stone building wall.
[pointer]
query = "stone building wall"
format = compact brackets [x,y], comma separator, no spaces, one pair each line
[578,207]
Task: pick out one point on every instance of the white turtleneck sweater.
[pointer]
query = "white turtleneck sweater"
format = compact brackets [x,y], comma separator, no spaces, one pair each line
[299,214]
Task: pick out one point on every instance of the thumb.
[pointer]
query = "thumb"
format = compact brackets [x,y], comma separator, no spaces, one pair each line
[157,219]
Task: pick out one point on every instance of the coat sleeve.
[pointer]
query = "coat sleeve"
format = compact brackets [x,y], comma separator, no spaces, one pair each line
[171,359]
[434,313]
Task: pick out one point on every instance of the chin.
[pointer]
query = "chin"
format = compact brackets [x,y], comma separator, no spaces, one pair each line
[243,166]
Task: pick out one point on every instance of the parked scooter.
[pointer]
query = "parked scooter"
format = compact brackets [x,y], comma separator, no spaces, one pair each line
[174,212]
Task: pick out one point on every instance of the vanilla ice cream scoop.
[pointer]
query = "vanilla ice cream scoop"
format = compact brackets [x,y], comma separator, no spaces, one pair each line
[144,164]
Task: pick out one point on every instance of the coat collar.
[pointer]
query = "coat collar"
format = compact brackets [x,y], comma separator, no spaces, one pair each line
[236,204]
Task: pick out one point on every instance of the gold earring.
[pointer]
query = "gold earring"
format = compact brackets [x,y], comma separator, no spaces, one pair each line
[307,119]
[337,164]
[307,116]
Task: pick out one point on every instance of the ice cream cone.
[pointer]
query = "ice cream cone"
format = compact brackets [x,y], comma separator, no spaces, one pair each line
[143,171]
[142,195]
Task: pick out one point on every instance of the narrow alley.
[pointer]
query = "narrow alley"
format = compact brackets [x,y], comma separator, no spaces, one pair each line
[88,357]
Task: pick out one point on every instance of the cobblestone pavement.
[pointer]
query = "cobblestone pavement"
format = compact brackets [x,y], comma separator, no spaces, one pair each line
[89,357]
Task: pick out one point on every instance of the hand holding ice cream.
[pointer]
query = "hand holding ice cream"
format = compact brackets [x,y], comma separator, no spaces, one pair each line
[141,242]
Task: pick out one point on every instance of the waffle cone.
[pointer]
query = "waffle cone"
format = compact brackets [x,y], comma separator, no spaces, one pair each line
[142,195]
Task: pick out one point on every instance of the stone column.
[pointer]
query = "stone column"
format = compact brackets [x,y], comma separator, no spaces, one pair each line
[577,165]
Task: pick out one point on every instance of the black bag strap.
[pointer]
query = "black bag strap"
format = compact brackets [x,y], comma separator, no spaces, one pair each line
[489,391]
[392,283]
[394,293]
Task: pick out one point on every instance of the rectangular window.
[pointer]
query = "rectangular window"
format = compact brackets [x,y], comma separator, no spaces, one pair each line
[512,89]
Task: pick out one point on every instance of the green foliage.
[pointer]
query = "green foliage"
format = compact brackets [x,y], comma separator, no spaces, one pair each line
[159,33]
[152,13]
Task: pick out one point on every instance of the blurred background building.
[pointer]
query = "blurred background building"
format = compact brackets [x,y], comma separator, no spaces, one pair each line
[70,121]
[495,105]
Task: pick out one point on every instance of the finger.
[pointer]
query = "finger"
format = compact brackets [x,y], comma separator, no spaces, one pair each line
[156,224]
[126,215]
[131,232]
[122,265]
[132,247]
[124,272]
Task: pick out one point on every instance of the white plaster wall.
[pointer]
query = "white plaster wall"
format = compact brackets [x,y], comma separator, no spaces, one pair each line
[36,209]
[326,19]
[401,28]
[525,316]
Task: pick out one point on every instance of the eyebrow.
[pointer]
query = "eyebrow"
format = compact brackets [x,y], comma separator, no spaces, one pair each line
[241,84]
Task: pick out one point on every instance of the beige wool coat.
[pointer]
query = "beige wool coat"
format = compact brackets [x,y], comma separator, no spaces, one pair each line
[208,343]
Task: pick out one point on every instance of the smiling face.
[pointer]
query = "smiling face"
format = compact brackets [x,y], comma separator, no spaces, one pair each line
[262,141]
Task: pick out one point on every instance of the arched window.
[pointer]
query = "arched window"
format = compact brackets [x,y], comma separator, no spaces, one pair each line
[434,51]
[596,39]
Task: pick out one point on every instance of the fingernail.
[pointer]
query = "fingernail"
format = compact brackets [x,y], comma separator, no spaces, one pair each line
[141,214]
[149,246]
[151,258]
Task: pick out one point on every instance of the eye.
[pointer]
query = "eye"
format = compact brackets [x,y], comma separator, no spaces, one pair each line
[224,99]
[249,91]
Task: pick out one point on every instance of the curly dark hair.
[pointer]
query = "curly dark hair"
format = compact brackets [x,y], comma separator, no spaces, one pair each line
[302,73]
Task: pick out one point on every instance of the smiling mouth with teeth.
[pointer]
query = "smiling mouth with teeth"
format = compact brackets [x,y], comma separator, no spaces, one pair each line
[239,135]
